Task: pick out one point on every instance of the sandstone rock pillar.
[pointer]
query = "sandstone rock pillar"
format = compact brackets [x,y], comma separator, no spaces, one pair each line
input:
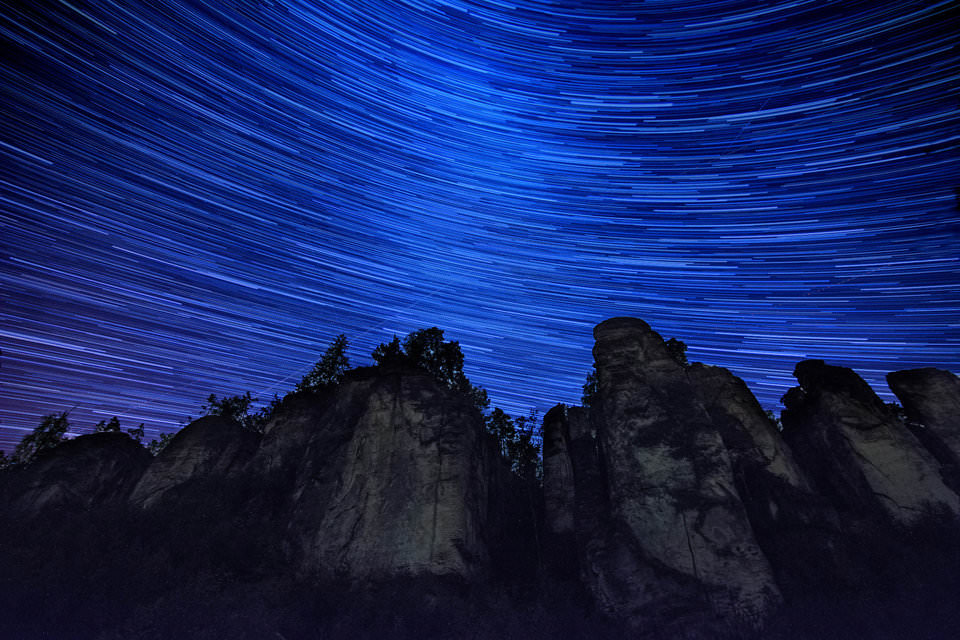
[404,493]
[681,540]
[931,400]
[856,451]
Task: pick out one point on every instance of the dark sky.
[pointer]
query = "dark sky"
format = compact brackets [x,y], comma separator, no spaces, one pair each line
[196,197]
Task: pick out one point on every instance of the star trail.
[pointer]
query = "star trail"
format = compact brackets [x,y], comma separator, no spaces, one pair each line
[196,197]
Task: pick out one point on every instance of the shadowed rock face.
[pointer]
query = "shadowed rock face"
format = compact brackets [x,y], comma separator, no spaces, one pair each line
[856,451]
[210,447]
[679,538]
[575,496]
[558,487]
[799,531]
[393,481]
[749,435]
[93,470]
[931,399]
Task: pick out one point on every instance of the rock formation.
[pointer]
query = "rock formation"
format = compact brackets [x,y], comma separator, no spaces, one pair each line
[931,400]
[751,438]
[677,538]
[93,470]
[798,530]
[208,447]
[672,503]
[393,481]
[558,494]
[856,451]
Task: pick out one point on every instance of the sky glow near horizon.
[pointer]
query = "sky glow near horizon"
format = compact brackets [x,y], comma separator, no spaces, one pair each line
[196,197]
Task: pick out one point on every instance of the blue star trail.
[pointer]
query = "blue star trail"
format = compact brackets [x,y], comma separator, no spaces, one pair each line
[196,197]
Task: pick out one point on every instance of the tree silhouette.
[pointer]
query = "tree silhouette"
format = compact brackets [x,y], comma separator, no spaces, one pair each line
[518,440]
[48,434]
[230,408]
[590,389]
[156,446]
[500,425]
[236,409]
[389,354]
[525,448]
[137,433]
[330,369]
[443,360]
[678,351]
[426,349]
[108,427]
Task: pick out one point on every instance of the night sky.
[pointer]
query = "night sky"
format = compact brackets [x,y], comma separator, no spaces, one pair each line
[196,197]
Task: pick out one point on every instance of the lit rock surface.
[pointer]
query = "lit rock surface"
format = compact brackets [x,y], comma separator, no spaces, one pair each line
[393,482]
[749,435]
[799,531]
[931,399]
[855,449]
[679,537]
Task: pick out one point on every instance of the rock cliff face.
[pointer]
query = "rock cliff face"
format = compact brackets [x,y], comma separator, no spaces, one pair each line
[558,494]
[931,400]
[751,438]
[678,537]
[799,531]
[394,481]
[675,491]
[856,451]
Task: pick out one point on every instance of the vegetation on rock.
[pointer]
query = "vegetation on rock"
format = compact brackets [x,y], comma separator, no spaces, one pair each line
[330,369]
[678,351]
[108,427]
[48,434]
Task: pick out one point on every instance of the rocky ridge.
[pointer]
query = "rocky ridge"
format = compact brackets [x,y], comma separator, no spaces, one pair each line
[672,505]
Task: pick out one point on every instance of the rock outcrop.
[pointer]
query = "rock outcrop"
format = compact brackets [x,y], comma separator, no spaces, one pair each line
[751,438]
[856,451]
[91,471]
[931,400]
[798,530]
[672,503]
[678,538]
[393,481]
[210,447]
[559,492]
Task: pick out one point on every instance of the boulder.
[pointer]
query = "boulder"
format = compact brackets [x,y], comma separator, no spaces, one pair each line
[856,451]
[679,539]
